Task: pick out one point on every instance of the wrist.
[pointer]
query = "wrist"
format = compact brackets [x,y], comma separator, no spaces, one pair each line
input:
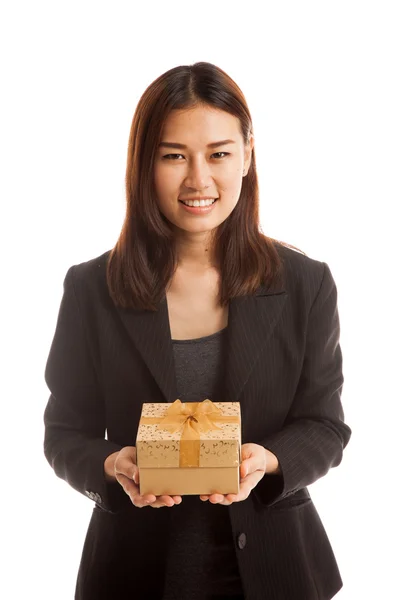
[109,464]
[273,466]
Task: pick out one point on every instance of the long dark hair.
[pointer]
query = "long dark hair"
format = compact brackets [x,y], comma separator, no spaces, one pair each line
[144,259]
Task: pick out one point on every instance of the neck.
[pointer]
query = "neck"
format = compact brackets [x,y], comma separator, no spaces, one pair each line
[194,253]
[196,261]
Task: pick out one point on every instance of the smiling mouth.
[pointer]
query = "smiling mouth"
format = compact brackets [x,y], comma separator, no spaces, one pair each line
[198,203]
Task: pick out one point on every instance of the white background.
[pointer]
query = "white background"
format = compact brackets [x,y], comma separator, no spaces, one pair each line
[322,83]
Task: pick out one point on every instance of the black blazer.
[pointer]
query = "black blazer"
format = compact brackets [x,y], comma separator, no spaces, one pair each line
[284,366]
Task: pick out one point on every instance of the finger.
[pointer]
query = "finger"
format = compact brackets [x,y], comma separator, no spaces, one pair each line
[132,490]
[126,470]
[246,485]
[166,500]
[217,498]
[155,501]
[141,501]
[127,484]
[148,498]
[245,478]
[159,502]
[220,499]
[170,500]
[253,462]
[249,483]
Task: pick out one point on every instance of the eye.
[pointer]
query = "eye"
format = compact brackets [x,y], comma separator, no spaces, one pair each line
[226,153]
[169,156]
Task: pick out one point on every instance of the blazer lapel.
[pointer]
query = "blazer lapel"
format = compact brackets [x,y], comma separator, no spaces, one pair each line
[251,321]
[151,334]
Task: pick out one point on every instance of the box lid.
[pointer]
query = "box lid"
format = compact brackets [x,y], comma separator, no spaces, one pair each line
[158,447]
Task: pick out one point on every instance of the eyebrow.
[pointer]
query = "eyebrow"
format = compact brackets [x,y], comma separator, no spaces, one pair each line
[183,147]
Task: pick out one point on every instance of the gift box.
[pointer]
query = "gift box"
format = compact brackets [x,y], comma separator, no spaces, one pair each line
[187,448]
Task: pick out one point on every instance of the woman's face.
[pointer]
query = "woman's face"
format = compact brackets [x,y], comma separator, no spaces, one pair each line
[197,169]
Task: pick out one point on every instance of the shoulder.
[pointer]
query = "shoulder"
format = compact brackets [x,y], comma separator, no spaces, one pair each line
[89,275]
[302,273]
[297,263]
[90,267]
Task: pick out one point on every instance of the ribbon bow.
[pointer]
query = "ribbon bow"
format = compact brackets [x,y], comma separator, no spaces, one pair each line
[195,417]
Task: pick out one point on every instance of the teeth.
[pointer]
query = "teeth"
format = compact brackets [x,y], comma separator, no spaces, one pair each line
[198,202]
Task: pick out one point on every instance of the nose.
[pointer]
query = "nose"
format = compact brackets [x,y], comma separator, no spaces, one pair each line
[198,175]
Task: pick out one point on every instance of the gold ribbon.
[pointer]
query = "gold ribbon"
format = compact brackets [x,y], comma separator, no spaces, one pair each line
[193,418]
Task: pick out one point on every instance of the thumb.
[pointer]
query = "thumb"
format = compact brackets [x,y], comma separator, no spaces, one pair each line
[247,456]
[126,463]
[248,466]
[252,460]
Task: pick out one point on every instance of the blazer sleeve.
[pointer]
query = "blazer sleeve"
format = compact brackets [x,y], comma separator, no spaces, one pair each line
[314,433]
[74,418]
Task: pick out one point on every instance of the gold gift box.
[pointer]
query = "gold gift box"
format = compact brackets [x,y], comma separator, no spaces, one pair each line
[188,448]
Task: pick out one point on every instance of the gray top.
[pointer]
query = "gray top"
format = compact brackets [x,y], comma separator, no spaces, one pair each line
[201,549]
[198,365]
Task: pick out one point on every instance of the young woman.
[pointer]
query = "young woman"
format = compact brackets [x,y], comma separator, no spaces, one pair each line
[194,302]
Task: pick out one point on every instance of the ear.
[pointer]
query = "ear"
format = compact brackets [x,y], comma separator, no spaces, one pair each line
[247,154]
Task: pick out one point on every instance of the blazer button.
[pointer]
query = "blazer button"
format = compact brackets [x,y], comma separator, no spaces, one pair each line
[241,541]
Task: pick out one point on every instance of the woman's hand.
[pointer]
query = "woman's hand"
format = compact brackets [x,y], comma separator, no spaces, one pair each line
[256,462]
[121,466]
